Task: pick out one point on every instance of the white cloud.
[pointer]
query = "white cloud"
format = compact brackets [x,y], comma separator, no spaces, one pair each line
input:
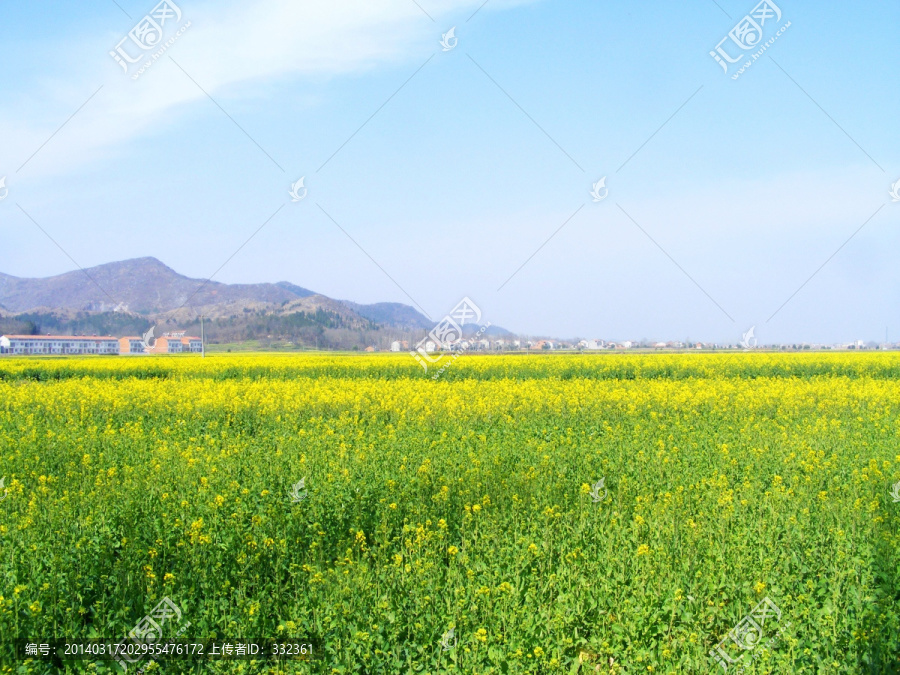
[230,49]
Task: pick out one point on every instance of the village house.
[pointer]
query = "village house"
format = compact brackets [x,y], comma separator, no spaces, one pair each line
[58,344]
[109,346]
[169,343]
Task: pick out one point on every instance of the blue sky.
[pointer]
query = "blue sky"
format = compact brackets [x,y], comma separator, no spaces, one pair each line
[735,194]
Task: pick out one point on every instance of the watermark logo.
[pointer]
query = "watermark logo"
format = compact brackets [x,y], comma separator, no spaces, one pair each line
[448,640]
[895,493]
[449,39]
[146,339]
[447,335]
[598,187]
[895,191]
[595,491]
[298,491]
[298,191]
[148,35]
[4,191]
[148,629]
[748,633]
[6,489]
[748,339]
[748,35]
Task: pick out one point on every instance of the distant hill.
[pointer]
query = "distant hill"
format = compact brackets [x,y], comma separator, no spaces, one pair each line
[296,290]
[392,314]
[141,285]
[131,295]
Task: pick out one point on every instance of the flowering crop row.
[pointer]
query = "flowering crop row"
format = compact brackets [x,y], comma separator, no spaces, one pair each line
[464,504]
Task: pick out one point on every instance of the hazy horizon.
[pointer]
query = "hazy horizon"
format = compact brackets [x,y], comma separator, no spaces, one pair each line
[747,337]
[432,175]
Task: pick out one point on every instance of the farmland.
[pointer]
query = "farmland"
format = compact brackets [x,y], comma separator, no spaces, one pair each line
[468,503]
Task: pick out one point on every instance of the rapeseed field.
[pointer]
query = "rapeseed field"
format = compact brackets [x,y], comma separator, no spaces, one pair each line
[521,514]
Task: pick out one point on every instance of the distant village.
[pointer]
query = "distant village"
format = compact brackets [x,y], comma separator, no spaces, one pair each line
[179,343]
[169,343]
[499,345]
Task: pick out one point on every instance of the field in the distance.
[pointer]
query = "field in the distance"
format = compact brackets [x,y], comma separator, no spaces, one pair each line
[462,503]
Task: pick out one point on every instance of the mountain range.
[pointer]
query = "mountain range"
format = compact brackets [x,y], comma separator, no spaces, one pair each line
[127,297]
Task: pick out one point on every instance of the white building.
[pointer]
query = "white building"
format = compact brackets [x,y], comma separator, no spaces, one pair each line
[131,345]
[58,344]
[169,343]
[395,346]
[592,344]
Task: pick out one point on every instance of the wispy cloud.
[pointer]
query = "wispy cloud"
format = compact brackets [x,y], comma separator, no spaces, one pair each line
[233,49]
